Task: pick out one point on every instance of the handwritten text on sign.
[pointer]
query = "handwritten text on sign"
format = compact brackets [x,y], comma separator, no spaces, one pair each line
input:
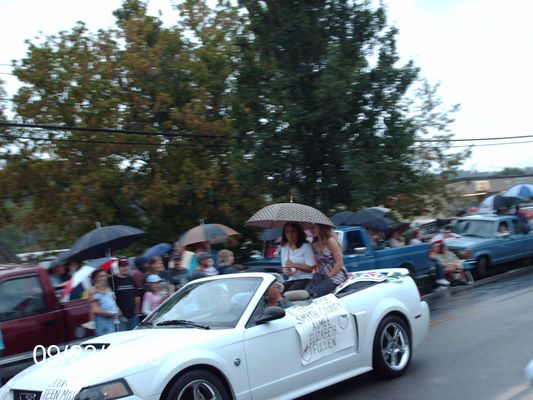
[324,327]
[61,389]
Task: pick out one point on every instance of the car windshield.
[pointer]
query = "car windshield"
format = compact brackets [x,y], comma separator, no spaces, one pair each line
[482,229]
[210,304]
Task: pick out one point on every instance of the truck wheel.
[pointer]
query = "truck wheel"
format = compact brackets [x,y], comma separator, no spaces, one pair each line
[481,267]
[411,270]
[391,353]
[198,384]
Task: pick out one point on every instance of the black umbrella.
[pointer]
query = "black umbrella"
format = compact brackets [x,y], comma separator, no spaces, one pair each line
[100,242]
[496,202]
[362,217]
[379,224]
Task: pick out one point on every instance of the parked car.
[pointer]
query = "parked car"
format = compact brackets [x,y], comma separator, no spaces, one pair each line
[216,338]
[31,315]
[482,245]
[361,255]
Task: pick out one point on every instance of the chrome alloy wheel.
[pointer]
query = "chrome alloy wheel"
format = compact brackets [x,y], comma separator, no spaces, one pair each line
[199,389]
[395,346]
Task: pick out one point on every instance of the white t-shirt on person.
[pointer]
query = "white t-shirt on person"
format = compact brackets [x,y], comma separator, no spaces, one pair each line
[301,255]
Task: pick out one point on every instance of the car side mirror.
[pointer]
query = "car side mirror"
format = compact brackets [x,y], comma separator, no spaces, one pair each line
[270,314]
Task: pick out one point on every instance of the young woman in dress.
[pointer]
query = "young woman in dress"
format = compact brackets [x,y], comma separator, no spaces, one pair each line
[331,271]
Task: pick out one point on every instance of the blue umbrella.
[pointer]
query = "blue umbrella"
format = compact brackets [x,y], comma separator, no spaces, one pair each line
[524,190]
[270,234]
[157,250]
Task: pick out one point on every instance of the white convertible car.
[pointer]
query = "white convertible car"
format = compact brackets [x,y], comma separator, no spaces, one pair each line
[216,339]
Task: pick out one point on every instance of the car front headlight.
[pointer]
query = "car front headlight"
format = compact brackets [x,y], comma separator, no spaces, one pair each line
[105,391]
[465,254]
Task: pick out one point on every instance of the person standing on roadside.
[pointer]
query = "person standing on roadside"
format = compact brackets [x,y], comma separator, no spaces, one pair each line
[103,304]
[226,262]
[205,267]
[127,295]
[176,275]
[152,296]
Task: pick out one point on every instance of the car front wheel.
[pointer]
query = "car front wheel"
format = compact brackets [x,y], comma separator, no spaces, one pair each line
[199,384]
[482,266]
[392,347]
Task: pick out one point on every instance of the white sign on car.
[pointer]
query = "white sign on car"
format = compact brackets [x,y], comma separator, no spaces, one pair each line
[323,327]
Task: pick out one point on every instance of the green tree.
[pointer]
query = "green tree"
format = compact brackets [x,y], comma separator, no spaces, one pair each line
[511,171]
[323,109]
[139,76]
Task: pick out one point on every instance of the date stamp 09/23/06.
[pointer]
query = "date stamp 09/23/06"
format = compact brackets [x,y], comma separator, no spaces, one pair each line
[72,353]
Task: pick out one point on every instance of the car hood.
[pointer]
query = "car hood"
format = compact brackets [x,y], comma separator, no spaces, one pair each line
[465,242]
[125,353]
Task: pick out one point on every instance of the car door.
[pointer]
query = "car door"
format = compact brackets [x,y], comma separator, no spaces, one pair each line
[24,316]
[508,247]
[352,243]
[275,361]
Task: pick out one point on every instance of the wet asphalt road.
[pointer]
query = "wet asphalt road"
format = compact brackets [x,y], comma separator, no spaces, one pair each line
[479,343]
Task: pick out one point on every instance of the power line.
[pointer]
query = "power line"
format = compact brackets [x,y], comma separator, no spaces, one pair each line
[491,144]
[172,134]
[107,130]
[9,136]
[473,140]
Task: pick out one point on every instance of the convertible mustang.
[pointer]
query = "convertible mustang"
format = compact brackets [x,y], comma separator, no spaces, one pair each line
[216,338]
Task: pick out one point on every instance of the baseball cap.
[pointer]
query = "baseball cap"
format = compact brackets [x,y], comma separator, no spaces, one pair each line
[153,278]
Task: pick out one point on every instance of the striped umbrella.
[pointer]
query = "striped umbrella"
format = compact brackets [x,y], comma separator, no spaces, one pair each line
[276,215]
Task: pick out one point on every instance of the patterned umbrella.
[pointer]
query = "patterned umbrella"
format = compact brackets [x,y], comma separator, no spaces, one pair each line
[212,233]
[276,215]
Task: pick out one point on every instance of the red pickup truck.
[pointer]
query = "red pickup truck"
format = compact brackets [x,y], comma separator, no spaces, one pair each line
[31,315]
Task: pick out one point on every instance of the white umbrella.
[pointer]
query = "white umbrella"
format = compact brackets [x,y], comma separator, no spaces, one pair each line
[440,237]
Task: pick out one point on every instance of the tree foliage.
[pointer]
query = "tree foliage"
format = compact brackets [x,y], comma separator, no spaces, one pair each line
[267,100]
[323,109]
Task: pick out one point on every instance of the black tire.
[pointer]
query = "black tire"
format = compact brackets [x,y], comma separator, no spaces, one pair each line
[482,265]
[198,384]
[411,269]
[392,348]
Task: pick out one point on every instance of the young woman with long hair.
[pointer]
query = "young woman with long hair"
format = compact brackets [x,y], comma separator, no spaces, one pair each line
[297,258]
[331,271]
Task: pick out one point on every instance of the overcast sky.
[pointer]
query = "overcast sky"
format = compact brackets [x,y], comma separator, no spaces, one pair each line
[481,52]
